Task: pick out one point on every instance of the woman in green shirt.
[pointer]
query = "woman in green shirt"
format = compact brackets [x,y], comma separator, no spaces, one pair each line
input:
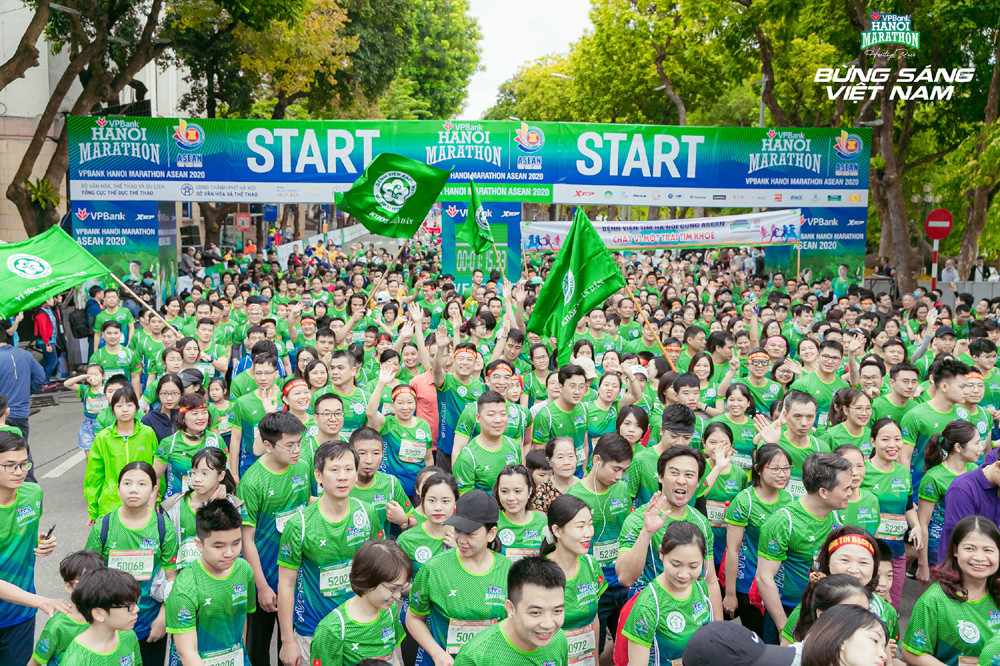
[173,456]
[671,608]
[723,481]
[850,412]
[632,424]
[521,529]
[953,451]
[740,408]
[571,529]
[957,615]
[703,368]
[220,409]
[534,381]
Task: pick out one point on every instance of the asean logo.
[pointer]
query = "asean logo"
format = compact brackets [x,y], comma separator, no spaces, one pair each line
[188,135]
[676,622]
[848,146]
[393,188]
[507,537]
[968,632]
[569,286]
[529,139]
[422,554]
[481,219]
[28,266]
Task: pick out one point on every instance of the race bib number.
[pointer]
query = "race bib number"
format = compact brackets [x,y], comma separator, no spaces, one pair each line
[139,563]
[224,427]
[743,461]
[334,579]
[606,551]
[187,553]
[515,554]
[716,513]
[95,405]
[821,422]
[892,526]
[796,488]
[461,632]
[230,657]
[581,458]
[968,661]
[282,517]
[111,372]
[582,646]
[411,451]
[206,369]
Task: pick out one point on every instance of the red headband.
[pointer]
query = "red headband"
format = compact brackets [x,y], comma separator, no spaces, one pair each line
[974,374]
[293,384]
[850,540]
[404,388]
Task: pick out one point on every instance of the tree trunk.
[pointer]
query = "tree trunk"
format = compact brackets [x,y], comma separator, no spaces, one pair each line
[26,54]
[654,213]
[980,196]
[214,215]
[895,205]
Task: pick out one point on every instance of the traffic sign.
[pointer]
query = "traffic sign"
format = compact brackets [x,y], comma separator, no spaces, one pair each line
[938,224]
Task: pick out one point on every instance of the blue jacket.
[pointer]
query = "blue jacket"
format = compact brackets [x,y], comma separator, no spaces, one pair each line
[20,376]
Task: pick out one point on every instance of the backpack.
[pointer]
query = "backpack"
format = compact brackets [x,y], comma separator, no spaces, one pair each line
[78,325]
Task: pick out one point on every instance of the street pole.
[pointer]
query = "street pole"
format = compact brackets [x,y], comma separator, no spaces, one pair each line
[934,265]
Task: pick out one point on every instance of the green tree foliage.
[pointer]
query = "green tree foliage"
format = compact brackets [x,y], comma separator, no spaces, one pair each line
[444,54]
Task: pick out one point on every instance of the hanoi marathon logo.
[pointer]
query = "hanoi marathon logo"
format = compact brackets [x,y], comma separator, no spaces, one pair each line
[890,29]
[118,138]
[781,149]
[464,141]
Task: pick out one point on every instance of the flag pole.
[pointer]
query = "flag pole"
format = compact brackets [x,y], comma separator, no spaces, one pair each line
[642,314]
[499,263]
[137,298]
[385,273]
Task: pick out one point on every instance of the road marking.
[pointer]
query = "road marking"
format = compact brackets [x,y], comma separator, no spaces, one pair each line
[64,466]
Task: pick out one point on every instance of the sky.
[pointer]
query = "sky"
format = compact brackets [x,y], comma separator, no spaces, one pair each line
[516,32]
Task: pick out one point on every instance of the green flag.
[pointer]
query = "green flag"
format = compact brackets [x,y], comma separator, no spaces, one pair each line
[393,195]
[476,229]
[49,263]
[583,276]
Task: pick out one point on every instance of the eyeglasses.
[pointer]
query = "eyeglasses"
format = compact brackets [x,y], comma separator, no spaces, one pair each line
[398,590]
[290,448]
[170,394]
[760,362]
[781,470]
[861,410]
[24,467]
[330,415]
[131,608]
[830,357]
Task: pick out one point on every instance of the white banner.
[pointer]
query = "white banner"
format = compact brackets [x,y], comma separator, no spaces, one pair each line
[779,227]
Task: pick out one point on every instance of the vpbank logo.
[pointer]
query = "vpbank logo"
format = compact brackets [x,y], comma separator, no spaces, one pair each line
[529,138]
[188,135]
[82,214]
[848,146]
[890,29]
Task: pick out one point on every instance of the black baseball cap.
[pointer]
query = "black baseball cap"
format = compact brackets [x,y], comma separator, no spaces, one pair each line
[733,645]
[473,510]
[943,331]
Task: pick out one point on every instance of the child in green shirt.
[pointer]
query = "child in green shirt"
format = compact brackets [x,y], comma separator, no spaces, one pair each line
[62,628]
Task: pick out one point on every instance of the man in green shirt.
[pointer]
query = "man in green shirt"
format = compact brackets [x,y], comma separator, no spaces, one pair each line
[214,358]
[790,539]
[114,312]
[115,358]
[763,389]
[478,464]
[343,373]
[532,632]
[823,383]
[108,599]
[208,605]
[248,411]
[595,334]
[903,380]
[565,416]
[381,491]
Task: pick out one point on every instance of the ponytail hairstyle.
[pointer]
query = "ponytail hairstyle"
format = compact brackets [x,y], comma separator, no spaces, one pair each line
[940,446]
[822,595]
[562,510]
[842,401]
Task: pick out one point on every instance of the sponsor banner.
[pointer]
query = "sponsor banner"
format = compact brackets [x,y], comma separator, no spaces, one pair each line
[167,274]
[832,236]
[120,232]
[756,229]
[459,260]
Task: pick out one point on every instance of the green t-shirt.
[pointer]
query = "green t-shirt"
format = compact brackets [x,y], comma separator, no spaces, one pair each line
[990,655]
[551,421]
[895,497]
[797,455]
[405,450]
[140,553]
[610,509]
[94,402]
[419,545]
[477,468]
[838,435]
[56,637]
[124,362]
[127,652]
[749,511]
[355,406]
[743,434]
[271,500]
[763,396]
[883,408]
[215,608]
[492,647]
[452,397]
[664,623]
[322,552]
[383,489]
[863,512]
[19,527]
[520,540]
[122,315]
[793,537]
[823,392]
[435,594]
[919,425]
[654,565]
[933,488]
[176,453]
[949,629]
[248,410]
[877,606]
[518,420]
[340,639]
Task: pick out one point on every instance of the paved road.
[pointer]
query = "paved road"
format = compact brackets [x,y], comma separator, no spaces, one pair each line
[59,468]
